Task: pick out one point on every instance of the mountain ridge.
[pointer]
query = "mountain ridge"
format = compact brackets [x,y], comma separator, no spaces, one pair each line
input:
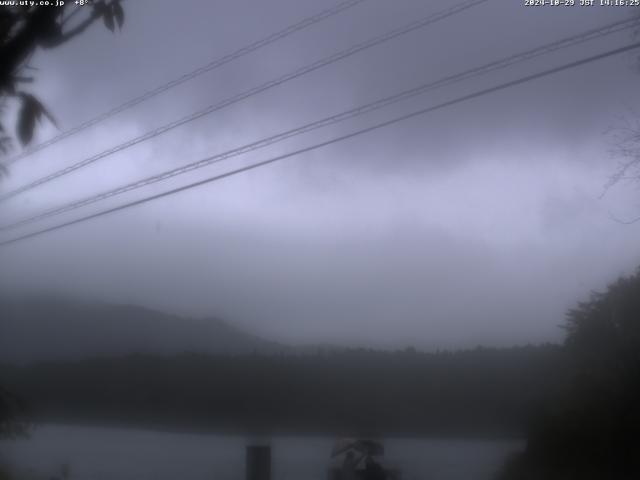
[52,329]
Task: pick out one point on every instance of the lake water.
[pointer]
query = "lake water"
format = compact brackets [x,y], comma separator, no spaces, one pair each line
[94,453]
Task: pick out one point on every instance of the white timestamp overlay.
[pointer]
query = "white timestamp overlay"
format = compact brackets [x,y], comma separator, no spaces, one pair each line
[581,3]
[33,3]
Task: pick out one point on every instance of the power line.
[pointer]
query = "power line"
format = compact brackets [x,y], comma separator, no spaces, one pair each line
[251,92]
[316,146]
[333,119]
[252,47]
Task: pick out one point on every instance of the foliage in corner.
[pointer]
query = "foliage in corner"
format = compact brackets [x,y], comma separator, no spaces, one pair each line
[24,29]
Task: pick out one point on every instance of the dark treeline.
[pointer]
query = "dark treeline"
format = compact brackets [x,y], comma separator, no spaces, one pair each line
[475,392]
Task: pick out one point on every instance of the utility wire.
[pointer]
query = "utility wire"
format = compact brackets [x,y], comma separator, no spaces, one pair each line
[316,146]
[251,92]
[252,47]
[333,119]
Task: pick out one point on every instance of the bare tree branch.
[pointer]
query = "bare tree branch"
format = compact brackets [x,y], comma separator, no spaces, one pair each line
[624,222]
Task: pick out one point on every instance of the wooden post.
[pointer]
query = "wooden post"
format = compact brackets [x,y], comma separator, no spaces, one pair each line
[258,462]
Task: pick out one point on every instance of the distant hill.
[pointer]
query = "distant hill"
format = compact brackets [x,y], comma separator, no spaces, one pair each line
[45,329]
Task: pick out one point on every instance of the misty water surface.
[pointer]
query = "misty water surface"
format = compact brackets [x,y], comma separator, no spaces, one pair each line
[112,453]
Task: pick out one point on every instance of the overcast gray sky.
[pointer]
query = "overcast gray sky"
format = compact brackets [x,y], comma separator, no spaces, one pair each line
[480,223]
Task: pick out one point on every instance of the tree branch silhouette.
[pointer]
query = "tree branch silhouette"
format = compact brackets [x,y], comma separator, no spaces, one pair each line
[22,31]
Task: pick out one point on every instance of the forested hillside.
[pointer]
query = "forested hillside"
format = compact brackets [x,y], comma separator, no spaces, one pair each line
[482,391]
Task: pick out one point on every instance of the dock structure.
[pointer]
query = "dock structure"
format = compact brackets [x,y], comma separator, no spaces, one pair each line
[258,462]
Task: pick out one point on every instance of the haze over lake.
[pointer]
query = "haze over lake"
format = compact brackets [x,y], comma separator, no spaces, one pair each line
[97,453]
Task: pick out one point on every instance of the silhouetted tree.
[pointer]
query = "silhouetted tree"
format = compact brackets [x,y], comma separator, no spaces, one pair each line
[626,148]
[23,29]
[595,431]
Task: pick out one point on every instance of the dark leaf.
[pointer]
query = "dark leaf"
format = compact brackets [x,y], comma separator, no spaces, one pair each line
[100,8]
[49,116]
[108,19]
[118,13]
[29,114]
[47,113]
[50,33]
